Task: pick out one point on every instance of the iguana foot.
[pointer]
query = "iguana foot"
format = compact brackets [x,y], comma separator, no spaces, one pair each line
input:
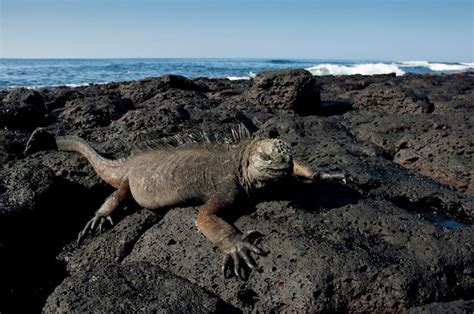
[237,248]
[105,211]
[94,224]
[333,176]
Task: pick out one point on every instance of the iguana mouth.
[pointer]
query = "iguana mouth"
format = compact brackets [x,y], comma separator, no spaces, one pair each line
[285,167]
[278,171]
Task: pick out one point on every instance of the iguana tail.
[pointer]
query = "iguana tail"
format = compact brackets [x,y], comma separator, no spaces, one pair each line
[111,171]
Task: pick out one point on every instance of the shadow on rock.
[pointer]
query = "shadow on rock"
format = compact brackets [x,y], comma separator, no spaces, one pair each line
[334,107]
[310,196]
[30,242]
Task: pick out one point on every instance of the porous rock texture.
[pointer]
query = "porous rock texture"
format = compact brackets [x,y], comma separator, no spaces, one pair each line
[22,108]
[139,287]
[289,89]
[397,237]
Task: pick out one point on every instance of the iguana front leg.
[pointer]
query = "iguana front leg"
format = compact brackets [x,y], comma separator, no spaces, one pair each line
[234,245]
[303,171]
[104,212]
[300,170]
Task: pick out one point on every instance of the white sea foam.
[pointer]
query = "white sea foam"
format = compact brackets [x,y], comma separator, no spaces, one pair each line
[364,69]
[81,84]
[448,67]
[251,75]
[436,66]
[237,78]
[413,64]
[52,86]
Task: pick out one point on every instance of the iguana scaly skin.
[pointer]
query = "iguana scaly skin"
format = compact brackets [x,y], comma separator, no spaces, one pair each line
[214,174]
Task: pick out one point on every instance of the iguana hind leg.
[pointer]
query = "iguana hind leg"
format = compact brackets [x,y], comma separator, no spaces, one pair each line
[234,245]
[105,211]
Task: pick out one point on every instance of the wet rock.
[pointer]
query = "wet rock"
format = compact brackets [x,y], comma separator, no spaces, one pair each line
[138,287]
[290,90]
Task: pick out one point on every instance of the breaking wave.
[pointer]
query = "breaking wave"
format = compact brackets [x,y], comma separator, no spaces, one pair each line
[399,68]
[364,69]
[436,66]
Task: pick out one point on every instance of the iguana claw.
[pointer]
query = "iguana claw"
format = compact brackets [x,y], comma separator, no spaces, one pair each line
[95,223]
[238,251]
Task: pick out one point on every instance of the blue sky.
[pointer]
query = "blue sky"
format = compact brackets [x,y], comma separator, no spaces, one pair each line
[389,30]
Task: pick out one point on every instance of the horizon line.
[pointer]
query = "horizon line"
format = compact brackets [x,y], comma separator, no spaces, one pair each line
[230,58]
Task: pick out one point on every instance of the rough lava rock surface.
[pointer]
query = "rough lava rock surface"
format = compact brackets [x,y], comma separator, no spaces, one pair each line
[138,287]
[398,236]
[22,109]
[289,89]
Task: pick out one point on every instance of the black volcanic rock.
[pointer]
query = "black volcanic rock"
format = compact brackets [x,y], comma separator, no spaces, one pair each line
[25,95]
[131,288]
[58,97]
[3,94]
[181,82]
[454,307]
[388,98]
[93,111]
[22,109]
[24,187]
[396,237]
[12,142]
[291,89]
[142,90]
[40,139]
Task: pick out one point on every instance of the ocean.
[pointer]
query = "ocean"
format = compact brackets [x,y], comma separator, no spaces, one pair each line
[39,73]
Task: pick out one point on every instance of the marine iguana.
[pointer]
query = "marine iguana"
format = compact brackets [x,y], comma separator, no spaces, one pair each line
[213,173]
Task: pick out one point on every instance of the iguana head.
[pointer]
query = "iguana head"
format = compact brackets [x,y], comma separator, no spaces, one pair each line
[269,160]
